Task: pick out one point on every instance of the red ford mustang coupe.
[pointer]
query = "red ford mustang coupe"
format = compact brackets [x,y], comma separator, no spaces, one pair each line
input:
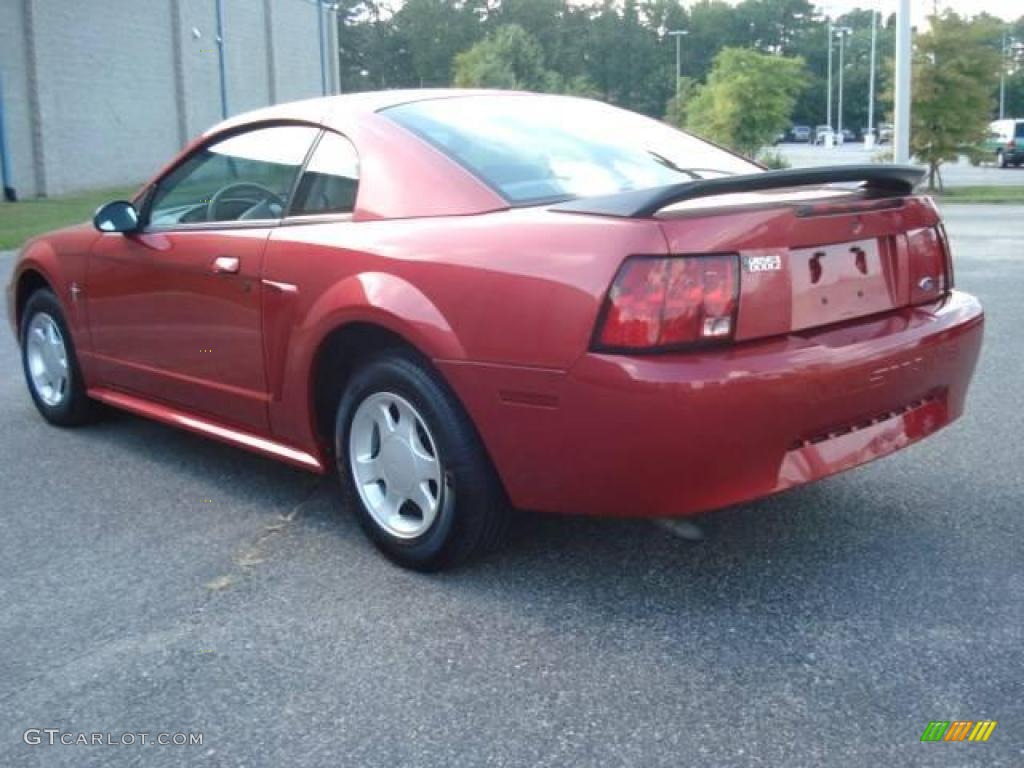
[467,302]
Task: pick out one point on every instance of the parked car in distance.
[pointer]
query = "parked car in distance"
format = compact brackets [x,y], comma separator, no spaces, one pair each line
[848,135]
[801,133]
[465,302]
[885,132]
[1006,142]
[822,132]
[864,132]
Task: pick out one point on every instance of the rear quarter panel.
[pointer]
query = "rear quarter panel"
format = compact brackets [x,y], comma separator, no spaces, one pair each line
[518,288]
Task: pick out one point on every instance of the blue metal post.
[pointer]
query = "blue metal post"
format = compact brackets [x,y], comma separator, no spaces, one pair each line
[5,157]
[220,60]
[323,46]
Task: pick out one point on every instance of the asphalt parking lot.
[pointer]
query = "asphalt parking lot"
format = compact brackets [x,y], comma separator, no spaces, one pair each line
[152,581]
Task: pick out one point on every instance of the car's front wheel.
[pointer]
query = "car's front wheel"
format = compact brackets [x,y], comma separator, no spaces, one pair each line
[412,466]
[1001,160]
[51,367]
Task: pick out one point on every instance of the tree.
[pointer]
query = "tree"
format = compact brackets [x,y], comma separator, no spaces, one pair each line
[773,24]
[747,99]
[954,68]
[507,58]
[626,59]
[1015,93]
[371,53]
[678,105]
[1015,70]
[1012,57]
[547,22]
[714,24]
[620,50]
[431,32]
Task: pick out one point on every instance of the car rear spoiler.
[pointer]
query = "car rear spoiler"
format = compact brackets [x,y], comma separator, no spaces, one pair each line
[892,180]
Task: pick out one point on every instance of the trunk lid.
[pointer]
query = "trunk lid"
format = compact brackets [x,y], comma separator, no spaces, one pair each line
[817,257]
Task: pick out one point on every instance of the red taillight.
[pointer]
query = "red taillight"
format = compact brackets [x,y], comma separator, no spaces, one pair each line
[930,269]
[947,254]
[667,302]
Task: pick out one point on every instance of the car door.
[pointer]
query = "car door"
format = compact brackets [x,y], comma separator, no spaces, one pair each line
[305,256]
[174,309]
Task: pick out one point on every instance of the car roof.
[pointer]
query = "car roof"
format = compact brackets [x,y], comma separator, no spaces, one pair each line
[334,111]
[401,176]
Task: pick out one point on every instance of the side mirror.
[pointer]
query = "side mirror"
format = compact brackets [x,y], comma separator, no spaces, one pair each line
[118,216]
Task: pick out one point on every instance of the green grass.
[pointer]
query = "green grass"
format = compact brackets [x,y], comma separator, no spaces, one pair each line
[20,221]
[1013,194]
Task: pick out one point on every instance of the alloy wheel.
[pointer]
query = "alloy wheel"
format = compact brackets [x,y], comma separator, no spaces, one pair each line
[47,359]
[395,464]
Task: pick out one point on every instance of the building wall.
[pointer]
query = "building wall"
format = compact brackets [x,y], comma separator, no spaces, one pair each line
[296,51]
[102,94]
[248,84]
[105,84]
[200,78]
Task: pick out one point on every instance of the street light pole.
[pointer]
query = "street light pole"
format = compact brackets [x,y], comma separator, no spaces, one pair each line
[828,116]
[1002,78]
[843,31]
[901,109]
[678,34]
[323,46]
[5,157]
[869,138]
[221,65]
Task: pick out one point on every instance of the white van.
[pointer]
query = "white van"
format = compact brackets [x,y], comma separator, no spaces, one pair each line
[1006,140]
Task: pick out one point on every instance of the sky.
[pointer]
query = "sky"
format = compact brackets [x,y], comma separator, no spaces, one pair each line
[1010,10]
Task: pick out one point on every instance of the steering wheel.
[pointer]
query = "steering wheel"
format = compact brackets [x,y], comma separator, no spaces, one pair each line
[263,195]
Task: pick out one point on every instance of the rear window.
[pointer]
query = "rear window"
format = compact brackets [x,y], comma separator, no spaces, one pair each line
[1020,130]
[535,149]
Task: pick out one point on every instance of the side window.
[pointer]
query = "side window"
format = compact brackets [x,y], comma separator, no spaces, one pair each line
[244,177]
[331,180]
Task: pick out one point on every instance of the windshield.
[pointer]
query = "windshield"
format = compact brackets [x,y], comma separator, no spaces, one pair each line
[534,149]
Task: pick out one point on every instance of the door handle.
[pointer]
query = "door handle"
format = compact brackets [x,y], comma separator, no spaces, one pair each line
[225,265]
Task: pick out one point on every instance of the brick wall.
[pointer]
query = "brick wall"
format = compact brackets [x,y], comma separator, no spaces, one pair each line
[101,94]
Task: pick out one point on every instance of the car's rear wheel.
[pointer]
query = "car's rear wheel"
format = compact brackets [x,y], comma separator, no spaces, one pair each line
[412,467]
[51,367]
[1001,160]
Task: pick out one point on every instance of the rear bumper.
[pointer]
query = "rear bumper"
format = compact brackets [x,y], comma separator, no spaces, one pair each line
[684,433]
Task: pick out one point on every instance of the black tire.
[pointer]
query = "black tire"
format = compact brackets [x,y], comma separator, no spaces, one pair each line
[75,408]
[473,513]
